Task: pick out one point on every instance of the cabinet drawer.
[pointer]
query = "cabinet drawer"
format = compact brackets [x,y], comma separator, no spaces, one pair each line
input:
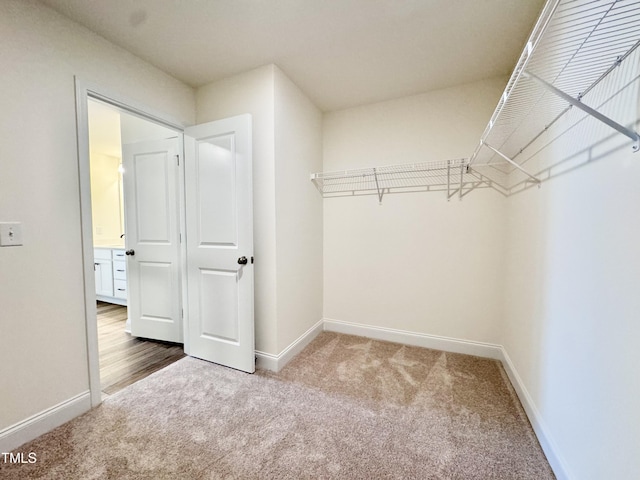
[119,270]
[119,254]
[102,253]
[120,288]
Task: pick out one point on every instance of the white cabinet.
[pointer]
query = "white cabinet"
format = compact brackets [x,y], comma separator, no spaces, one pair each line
[103,271]
[111,275]
[104,277]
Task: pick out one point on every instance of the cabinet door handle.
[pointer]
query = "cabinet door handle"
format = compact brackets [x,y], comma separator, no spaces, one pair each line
[121,289]
[118,270]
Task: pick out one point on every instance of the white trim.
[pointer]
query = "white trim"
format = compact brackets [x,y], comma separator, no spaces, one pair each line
[447,344]
[275,363]
[84,179]
[132,106]
[43,422]
[84,90]
[266,361]
[550,448]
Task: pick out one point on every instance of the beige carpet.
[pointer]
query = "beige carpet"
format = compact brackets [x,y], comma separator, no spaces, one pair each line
[345,408]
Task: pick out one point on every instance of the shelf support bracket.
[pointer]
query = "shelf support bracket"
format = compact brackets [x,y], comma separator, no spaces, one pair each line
[515,164]
[449,180]
[587,109]
[380,192]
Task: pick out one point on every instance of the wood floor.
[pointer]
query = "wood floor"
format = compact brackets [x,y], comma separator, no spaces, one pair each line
[125,359]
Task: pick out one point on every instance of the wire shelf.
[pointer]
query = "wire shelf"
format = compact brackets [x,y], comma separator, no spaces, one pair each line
[452,176]
[574,46]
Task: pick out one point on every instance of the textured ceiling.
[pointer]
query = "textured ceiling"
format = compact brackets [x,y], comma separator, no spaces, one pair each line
[340,52]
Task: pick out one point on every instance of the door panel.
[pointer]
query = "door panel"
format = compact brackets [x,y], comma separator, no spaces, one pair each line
[157,279]
[219,292]
[219,218]
[153,194]
[152,225]
[216,176]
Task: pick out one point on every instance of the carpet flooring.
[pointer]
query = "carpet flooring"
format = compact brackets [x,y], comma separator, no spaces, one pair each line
[345,408]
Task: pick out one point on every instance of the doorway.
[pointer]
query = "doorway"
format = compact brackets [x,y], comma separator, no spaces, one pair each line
[123,358]
[198,204]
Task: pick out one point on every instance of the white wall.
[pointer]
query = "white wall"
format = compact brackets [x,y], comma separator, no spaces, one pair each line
[417,262]
[253,92]
[298,152]
[572,306]
[43,359]
[287,211]
[105,157]
[106,195]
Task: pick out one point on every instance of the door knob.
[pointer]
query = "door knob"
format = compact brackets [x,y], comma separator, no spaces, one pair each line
[130,252]
[242,261]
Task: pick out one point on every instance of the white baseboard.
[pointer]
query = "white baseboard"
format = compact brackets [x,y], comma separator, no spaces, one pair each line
[542,432]
[275,363]
[43,422]
[454,345]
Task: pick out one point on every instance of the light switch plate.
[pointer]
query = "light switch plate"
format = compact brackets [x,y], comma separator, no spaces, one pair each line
[10,234]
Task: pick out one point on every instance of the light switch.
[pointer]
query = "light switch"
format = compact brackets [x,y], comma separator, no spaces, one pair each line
[10,234]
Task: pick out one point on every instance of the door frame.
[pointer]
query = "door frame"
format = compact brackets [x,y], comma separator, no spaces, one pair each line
[84,91]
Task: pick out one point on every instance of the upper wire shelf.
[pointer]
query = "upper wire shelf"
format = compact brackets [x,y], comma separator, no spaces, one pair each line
[574,46]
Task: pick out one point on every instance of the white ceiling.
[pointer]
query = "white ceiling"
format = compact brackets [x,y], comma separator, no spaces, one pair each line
[340,52]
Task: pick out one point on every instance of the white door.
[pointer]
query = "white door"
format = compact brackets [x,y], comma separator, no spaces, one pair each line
[151,193]
[219,219]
